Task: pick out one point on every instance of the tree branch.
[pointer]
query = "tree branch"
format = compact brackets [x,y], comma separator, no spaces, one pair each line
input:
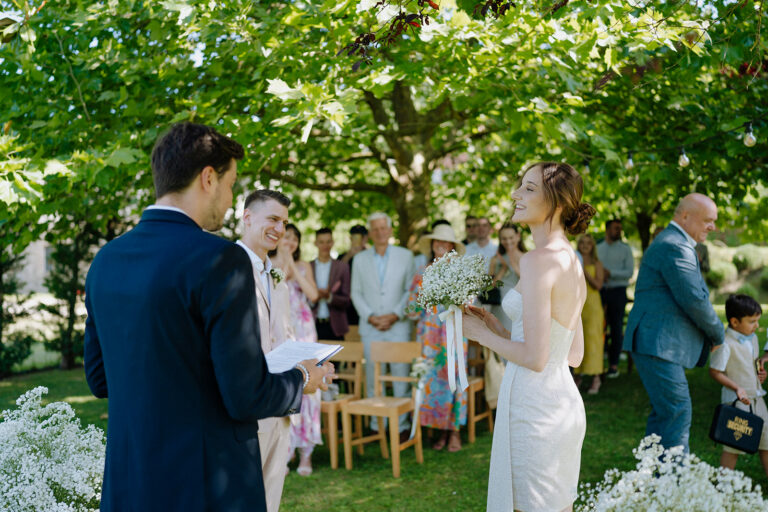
[72,74]
[464,142]
[327,187]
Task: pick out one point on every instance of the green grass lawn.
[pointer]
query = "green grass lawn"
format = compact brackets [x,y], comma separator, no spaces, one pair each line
[446,481]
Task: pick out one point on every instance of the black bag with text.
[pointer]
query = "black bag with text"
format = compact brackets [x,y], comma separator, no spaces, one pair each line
[736,428]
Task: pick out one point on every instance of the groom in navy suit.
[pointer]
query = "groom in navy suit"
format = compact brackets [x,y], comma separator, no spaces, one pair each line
[172,339]
[672,325]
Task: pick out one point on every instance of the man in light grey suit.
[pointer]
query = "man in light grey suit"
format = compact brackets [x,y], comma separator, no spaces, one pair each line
[672,325]
[381,277]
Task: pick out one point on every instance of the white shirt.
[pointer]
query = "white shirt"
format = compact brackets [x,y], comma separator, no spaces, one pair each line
[488,251]
[260,268]
[168,208]
[688,237]
[719,360]
[322,275]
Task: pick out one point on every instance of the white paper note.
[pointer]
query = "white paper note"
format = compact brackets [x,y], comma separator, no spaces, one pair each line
[287,354]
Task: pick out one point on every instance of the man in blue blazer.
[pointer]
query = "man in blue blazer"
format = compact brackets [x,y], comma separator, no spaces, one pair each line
[672,325]
[172,339]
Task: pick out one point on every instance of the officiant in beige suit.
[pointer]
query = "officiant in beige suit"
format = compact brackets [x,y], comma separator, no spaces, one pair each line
[264,218]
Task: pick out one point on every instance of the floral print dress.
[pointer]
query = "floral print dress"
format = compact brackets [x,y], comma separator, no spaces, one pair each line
[441,409]
[305,426]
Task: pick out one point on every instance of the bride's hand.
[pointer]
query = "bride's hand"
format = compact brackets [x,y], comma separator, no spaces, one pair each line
[489,319]
[474,327]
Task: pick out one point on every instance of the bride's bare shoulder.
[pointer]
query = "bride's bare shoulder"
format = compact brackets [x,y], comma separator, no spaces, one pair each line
[543,259]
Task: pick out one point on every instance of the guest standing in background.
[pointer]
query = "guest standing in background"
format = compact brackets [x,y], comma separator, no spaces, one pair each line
[483,244]
[380,279]
[332,278]
[470,225]
[672,325]
[592,317]
[618,266]
[305,426]
[505,265]
[442,409]
[358,242]
[420,259]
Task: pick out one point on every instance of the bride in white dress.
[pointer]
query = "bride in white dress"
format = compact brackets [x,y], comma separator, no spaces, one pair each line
[540,419]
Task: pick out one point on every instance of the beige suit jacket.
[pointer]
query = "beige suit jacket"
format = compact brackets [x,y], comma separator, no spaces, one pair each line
[274,322]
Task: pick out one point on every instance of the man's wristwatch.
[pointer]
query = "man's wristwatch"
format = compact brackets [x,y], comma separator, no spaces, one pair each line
[305,372]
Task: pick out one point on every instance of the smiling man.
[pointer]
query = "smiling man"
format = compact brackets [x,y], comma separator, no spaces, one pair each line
[264,219]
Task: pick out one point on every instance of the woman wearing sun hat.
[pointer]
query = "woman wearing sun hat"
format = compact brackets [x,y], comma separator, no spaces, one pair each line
[441,409]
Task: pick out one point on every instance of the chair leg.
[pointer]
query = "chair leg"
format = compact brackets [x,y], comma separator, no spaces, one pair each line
[394,441]
[358,432]
[333,437]
[346,427]
[383,439]
[490,418]
[471,414]
[418,446]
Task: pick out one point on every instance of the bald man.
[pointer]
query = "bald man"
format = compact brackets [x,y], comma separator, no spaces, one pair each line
[672,325]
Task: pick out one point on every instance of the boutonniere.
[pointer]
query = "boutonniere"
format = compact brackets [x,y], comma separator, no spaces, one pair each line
[277,275]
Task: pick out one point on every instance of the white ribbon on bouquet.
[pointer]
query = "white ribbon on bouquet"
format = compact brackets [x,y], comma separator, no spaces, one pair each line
[417,407]
[454,340]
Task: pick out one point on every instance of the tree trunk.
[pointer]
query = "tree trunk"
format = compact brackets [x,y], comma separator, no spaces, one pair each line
[644,222]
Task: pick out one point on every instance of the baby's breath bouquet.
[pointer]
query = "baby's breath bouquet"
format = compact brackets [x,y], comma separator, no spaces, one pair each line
[454,280]
[451,282]
[671,480]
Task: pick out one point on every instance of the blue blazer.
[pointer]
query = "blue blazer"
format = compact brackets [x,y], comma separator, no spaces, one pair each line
[172,339]
[672,317]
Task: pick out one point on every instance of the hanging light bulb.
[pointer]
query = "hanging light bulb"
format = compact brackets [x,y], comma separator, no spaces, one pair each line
[630,163]
[684,161]
[749,137]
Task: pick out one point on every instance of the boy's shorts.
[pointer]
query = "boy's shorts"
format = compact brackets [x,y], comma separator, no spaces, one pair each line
[758,408]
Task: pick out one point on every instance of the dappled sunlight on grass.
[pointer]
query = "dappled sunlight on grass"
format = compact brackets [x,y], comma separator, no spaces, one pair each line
[79,399]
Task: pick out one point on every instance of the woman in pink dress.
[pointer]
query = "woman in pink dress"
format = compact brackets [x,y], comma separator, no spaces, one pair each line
[305,427]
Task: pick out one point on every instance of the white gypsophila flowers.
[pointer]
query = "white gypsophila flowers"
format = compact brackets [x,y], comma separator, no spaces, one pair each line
[420,367]
[48,462]
[454,280]
[671,480]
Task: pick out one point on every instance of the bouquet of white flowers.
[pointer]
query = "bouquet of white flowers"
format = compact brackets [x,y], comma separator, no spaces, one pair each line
[47,460]
[451,282]
[671,480]
[454,280]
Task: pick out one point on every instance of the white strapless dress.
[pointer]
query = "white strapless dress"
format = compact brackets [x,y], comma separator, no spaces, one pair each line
[540,424]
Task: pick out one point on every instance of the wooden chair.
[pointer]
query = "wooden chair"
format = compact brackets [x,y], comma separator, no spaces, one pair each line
[350,372]
[353,334]
[477,385]
[382,406]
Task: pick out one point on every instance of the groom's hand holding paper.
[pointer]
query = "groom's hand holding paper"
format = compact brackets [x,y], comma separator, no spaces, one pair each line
[319,376]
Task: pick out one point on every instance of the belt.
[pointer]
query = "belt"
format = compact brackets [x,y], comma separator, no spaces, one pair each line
[323,320]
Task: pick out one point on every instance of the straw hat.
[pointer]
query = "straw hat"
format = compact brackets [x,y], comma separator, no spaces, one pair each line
[442,232]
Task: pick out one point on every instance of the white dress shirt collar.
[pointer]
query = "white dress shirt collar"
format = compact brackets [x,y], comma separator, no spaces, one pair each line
[258,265]
[168,208]
[688,237]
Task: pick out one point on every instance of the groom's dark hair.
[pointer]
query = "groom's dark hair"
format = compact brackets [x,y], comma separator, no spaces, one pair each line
[265,194]
[187,148]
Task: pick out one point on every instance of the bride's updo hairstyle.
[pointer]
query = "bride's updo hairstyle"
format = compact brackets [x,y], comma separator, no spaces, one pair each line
[563,188]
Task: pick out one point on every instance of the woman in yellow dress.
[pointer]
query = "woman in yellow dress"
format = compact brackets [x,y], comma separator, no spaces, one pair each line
[592,315]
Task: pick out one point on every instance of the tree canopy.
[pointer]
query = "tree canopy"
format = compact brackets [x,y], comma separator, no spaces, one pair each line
[452,109]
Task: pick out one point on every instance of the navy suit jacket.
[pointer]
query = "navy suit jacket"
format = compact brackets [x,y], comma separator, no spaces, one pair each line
[172,339]
[672,317]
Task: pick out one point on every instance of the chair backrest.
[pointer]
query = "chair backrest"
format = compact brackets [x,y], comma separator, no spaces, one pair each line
[392,352]
[351,370]
[475,359]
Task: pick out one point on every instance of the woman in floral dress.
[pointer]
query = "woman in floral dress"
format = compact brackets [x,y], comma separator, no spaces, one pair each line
[442,409]
[305,427]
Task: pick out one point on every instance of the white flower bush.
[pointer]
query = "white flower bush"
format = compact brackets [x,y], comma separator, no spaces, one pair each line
[48,462]
[673,481]
[454,280]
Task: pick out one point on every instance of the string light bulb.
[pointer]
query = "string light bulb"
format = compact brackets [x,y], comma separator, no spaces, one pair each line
[630,164]
[749,138]
[684,161]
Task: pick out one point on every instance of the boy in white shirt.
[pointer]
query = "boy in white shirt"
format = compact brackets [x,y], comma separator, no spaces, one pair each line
[737,365]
